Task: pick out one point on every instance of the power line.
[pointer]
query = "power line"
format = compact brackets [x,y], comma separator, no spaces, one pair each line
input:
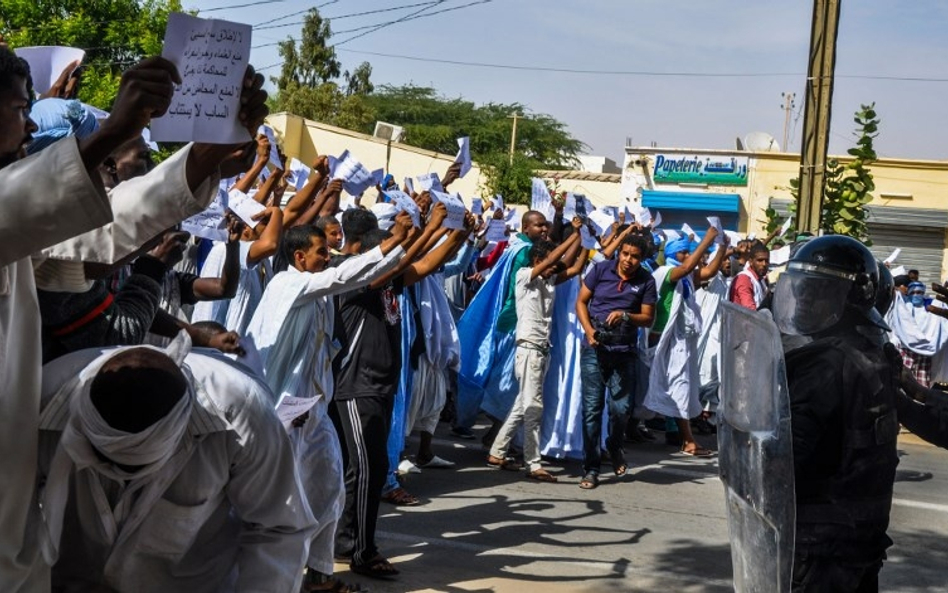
[340,17]
[390,23]
[247,5]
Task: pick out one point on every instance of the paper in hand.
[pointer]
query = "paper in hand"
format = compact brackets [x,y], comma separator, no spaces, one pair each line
[687,230]
[454,206]
[212,58]
[602,221]
[496,230]
[540,199]
[274,149]
[715,221]
[404,202]
[427,182]
[780,256]
[588,241]
[356,178]
[498,202]
[785,227]
[244,207]
[47,63]
[464,155]
[210,223]
[290,408]
[298,174]
[893,257]
[477,206]
[899,271]
[657,221]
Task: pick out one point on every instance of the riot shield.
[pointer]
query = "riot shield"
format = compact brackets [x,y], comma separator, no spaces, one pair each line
[755,451]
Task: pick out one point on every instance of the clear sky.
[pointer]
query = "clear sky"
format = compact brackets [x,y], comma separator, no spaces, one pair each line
[661,46]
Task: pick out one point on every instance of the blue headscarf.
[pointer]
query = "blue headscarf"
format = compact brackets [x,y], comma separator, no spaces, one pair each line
[672,248]
[57,119]
[917,299]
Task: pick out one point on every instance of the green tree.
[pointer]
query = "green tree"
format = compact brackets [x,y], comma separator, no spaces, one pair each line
[511,179]
[114,34]
[309,83]
[847,189]
[435,122]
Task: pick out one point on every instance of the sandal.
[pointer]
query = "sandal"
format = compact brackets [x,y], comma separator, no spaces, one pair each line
[619,466]
[401,497]
[502,463]
[376,568]
[541,475]
[589,481]
[698,451]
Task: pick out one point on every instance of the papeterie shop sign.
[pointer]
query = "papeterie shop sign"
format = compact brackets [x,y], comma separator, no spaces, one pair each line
[701,168]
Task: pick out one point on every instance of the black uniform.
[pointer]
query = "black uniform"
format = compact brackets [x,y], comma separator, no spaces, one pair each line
[844,424]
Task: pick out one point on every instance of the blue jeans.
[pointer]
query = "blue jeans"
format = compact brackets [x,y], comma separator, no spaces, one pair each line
[600,369]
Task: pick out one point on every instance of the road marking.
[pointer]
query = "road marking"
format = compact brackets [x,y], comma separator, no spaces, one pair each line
[917,504]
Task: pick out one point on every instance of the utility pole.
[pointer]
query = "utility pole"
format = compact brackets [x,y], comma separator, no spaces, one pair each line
[513,134]
[816,114]
[788,106]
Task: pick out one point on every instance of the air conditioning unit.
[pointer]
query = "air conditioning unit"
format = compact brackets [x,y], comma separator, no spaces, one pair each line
[388,131]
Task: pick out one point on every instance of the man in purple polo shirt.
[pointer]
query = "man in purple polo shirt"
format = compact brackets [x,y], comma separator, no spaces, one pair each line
[616,298]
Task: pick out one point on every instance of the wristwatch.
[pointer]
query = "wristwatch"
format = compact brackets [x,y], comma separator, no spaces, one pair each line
[625,316]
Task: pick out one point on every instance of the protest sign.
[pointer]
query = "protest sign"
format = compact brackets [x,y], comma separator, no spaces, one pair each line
[212,58]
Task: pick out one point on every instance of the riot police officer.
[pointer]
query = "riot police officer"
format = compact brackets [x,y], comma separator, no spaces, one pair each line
[843,414]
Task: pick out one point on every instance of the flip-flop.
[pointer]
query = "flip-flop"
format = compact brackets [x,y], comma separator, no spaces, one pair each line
[500,463]
[697,452]
[406,467]
[376,568]
[619,466]
[589,482]
[437,463]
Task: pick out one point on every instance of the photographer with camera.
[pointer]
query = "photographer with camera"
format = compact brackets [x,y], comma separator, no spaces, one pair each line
[616,298]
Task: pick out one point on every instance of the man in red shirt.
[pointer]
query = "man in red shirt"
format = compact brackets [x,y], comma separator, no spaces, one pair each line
[750,286]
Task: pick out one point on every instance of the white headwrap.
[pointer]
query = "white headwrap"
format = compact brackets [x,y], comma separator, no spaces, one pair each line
[159,452]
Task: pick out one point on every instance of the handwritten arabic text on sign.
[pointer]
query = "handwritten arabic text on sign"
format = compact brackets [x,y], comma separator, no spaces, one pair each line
[211,57]
[701,168]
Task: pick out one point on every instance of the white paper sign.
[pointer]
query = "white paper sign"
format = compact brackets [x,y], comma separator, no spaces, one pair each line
[289,408]
[715,221]
[404,202]
[426,182]
[687,230]
[211,57]
[274,150]
[298,174]
[657,221]
[643,216]
[477,206]
[734,237]
[47,63]
[540,199]
[780,256]
[588,241]
[496,230]
[671,235]
[455,207]
[785,227]
[498,202]
[244,207]
[602,221]
[899,271]
[210,223]
[356,178]
[893,257]
[629,217]
[464,155]
[612,211]
[146,136]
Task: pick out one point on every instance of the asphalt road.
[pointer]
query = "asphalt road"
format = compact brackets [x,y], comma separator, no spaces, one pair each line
[660,528]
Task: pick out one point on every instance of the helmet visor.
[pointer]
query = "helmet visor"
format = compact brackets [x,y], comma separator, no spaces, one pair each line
[806,303]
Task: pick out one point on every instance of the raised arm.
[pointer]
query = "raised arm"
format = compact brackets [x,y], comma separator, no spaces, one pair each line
[708,272]
[303,198]
[269,240]
[245,183]
[411,254]
[558,253]
[225,286]
[691,262]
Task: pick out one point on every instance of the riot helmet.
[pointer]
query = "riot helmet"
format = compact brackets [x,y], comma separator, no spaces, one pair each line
[826,277]
[886,292]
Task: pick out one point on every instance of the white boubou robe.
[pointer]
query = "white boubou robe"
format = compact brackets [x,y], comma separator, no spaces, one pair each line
[921,332]
[709,344]
[235,313]
[674,377]
[292,330]
[38,210]
[223,511]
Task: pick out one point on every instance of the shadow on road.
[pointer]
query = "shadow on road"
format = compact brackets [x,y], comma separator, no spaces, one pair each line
[920,570]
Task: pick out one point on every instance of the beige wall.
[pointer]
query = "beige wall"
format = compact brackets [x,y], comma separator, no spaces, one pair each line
[306,140]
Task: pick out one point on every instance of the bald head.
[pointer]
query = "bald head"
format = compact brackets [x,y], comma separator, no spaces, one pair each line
[137,388]
[534,225]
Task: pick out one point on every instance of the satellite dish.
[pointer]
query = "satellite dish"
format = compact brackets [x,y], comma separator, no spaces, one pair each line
[761,142]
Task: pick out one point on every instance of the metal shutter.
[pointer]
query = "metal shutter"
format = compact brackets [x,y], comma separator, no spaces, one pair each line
[922,248]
